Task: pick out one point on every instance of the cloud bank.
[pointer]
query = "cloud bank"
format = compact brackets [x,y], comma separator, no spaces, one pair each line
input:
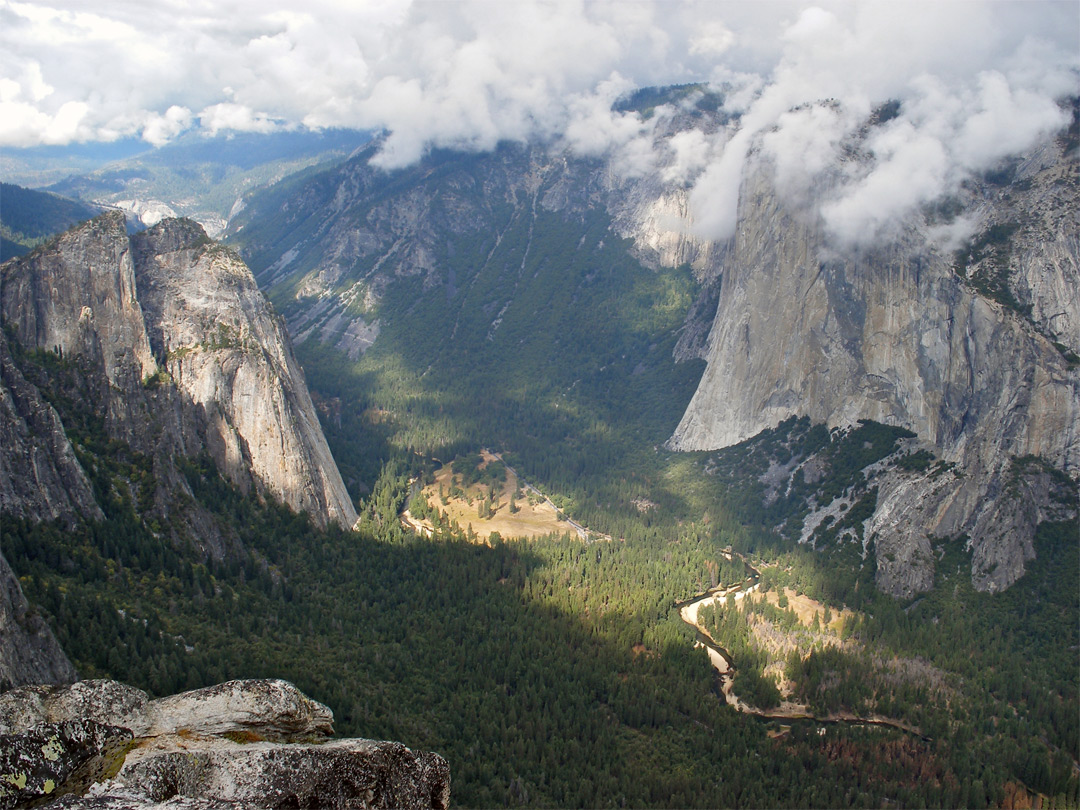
[975,80]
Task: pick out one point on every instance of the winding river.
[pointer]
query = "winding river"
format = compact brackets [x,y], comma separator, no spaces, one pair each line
[718,656]
[725,667]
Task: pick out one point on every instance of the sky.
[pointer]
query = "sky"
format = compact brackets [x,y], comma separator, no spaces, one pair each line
[978,80]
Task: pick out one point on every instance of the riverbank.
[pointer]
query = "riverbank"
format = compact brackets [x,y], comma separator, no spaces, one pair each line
[725,667]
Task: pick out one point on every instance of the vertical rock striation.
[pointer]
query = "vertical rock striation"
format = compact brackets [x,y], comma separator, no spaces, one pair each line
[29,653]
[231,361]
[893,334]
[224,377]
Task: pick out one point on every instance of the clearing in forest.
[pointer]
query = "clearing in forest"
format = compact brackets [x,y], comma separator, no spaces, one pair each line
[481,492]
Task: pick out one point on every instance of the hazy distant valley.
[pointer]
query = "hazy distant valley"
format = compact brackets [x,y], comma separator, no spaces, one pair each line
[882,436]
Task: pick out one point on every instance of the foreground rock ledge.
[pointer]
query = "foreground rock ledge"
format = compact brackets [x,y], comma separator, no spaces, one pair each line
[243,744]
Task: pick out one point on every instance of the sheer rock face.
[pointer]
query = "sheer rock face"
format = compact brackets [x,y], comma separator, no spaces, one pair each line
[29,653]
[186,751]
[78,296]
[231,359]
[894,335]
[226,378]
[41,479]
[1045,255]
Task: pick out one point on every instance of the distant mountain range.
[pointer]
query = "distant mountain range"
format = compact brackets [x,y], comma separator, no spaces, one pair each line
[204,178]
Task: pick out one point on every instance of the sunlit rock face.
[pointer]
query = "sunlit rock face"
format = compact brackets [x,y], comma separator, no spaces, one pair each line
[896,334]
[232,362]
[171,341]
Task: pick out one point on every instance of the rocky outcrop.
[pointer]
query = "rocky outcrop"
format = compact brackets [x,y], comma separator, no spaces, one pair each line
[269,709]
[29,653]
[249,744]
[337,774]
[894,335]
[174,345]
[55,759]
[103,701]
[272,709]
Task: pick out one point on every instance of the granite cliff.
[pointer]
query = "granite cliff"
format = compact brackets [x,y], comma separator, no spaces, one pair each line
[950,346]
[165,337]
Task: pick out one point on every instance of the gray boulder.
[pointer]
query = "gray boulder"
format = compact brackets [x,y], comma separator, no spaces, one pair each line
[241,744]
[339,774]
[269,709]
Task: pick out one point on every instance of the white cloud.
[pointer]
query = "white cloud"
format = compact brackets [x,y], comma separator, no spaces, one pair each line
[690,151]
[593,128]
[1003,121]
[67,125]
[714,39]
[160,129]
[977,82]
[977,78]
[911,169]
[238,117]
[952,236]
[714,198]
[805,142]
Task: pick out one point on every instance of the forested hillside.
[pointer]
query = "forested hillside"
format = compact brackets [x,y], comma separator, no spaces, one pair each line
[28,218]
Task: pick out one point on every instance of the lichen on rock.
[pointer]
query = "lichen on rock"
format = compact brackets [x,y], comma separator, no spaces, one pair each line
[240,744]
[52,759]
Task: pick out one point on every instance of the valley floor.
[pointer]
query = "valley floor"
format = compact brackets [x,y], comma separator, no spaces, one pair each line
[809,613]
[534,514]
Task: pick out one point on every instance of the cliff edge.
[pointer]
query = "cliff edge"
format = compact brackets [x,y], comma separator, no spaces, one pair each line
[913,335]
[241,744]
